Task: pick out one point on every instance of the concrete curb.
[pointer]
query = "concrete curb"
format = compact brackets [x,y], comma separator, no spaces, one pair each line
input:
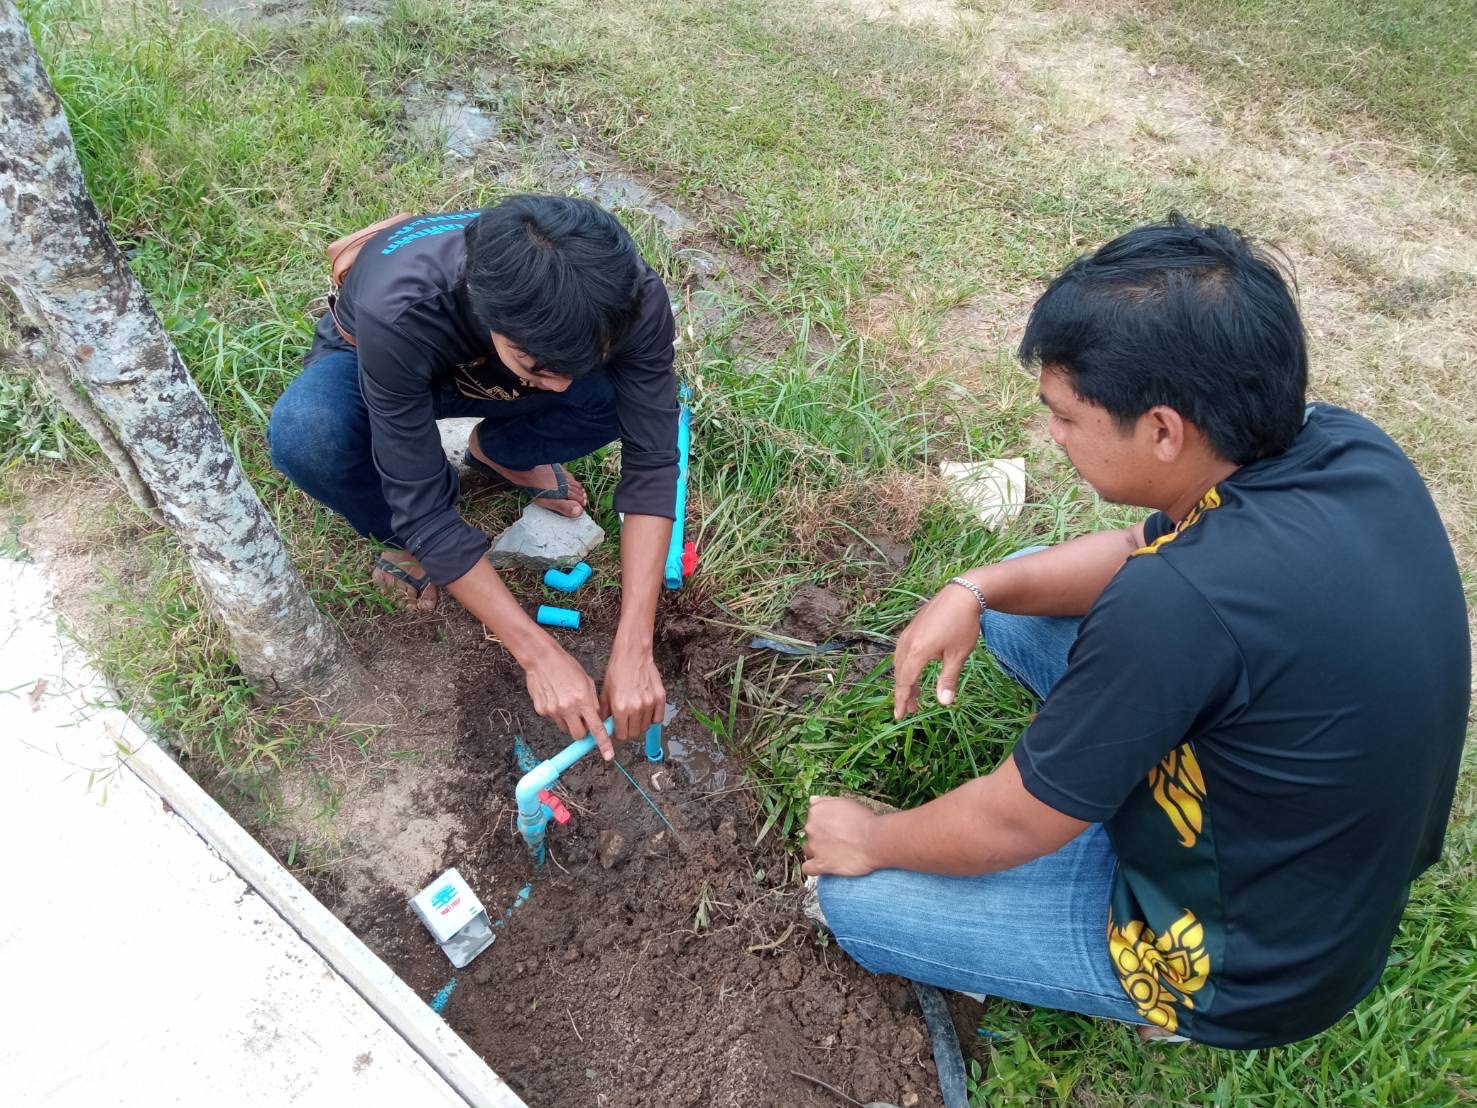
[425,1031]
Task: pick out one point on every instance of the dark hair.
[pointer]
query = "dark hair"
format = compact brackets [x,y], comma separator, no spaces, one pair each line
[1192,317]
[557,275]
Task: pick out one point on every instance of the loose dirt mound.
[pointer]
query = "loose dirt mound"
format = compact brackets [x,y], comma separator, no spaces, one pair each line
[650,965]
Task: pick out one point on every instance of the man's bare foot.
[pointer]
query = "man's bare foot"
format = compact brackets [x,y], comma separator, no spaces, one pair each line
[422,601]
[540,477]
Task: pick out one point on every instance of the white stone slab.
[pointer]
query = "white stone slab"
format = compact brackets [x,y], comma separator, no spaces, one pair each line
[454,435]
[995,491]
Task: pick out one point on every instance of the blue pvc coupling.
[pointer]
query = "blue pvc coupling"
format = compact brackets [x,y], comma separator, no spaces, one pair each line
[550,616]
[532,829]
[568,582]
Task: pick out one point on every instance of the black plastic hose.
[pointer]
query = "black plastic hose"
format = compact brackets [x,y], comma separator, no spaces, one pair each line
[948,1059]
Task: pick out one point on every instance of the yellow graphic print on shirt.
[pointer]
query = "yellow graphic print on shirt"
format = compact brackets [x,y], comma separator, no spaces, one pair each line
[1210,500]
[1178,787]
[1160,972]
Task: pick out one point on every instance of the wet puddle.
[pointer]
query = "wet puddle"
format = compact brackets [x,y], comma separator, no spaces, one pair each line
[450,117]
[702,762]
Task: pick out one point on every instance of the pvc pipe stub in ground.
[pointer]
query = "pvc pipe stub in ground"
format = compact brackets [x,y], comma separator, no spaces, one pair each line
[654,751]
[568,582]
[549,616]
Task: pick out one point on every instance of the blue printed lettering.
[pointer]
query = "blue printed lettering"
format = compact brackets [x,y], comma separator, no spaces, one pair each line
[409,232]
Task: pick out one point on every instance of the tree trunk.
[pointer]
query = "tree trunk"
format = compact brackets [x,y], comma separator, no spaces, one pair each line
[71,279]
[35,359]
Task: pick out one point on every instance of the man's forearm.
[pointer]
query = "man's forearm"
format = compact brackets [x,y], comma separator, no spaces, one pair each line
[481,591]
[644,541]
[1062,580]
[988,824]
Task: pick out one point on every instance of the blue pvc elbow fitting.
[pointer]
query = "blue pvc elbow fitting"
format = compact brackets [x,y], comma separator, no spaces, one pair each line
[568,582]
[654,751]
[550,616]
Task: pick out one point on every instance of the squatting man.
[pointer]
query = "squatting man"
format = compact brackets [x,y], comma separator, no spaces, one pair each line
[539,316]
[1253,701]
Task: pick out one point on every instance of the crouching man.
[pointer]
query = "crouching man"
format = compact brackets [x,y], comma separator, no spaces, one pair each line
[1252,702]
[538,316]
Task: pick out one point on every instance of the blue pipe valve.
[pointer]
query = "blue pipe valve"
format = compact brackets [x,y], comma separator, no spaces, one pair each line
[533,816]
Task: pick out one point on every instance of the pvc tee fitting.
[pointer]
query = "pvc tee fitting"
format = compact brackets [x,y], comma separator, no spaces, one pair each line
[533,816]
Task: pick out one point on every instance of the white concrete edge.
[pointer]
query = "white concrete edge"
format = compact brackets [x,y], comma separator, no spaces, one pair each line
[426,1032]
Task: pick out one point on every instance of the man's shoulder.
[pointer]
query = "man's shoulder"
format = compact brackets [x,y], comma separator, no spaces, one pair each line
[1152,597]
[410,264]
[651,334]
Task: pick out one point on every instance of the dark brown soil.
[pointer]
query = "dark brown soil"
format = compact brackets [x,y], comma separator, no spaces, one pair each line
[815,611]
[681,973]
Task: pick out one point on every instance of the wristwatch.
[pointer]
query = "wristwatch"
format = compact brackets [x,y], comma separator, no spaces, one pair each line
[964,582]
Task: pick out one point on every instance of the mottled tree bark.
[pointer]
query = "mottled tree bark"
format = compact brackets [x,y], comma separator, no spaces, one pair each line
[71,279]
[33,358]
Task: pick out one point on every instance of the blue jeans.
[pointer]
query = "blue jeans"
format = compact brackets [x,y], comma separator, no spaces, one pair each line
[320,435]
[1036,934]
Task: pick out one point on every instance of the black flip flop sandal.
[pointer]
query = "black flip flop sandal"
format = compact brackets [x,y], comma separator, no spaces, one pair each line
[561,492]
[395,569]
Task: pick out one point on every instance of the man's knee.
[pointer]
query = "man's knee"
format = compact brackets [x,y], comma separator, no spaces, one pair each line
[865,914]
[1031,649]
[308,433]
[592,410]
[1007,636]
[848,903]
[594,391]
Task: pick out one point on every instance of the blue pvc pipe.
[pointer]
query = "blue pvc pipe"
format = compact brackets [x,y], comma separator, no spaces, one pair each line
[550,616]
[525,757]
[533,817]
[438,1002]
[518,901]
[523,754]
[568,582]
[673,573]
[654,751]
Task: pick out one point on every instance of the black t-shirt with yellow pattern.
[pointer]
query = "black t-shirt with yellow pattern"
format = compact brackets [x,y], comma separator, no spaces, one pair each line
[1266,709]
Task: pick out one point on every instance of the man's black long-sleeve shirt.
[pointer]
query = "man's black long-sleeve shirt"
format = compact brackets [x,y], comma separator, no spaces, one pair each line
[405,302]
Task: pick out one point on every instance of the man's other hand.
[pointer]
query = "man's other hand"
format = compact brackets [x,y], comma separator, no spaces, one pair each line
[837,834]
[633,694]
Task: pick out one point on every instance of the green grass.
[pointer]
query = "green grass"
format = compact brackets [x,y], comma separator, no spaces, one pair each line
[839,162]
[1408,65]
[32,427]
[172,663]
